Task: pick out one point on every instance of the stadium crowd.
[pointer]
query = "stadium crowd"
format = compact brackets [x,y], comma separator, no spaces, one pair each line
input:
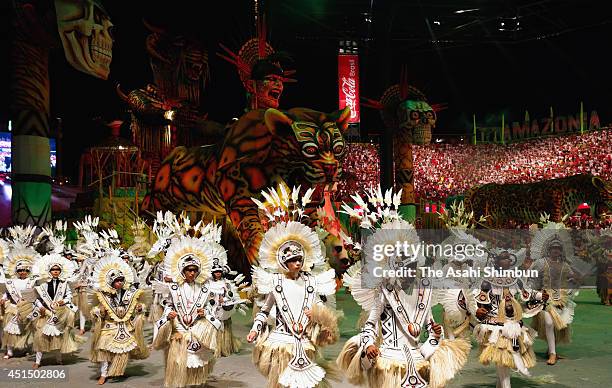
[442,170]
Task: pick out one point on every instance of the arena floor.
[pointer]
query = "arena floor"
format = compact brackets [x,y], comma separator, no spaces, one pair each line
[586,361]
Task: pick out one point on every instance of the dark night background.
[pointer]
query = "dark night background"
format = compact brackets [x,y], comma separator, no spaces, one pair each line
[557,57]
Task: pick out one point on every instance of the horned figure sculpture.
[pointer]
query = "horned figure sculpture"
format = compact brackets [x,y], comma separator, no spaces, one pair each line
[166,113]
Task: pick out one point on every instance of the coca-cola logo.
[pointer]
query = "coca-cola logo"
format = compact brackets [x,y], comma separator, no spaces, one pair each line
[348,72]
[349,88]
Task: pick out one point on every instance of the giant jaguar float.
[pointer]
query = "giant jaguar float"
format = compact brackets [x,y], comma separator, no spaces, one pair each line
[262,149]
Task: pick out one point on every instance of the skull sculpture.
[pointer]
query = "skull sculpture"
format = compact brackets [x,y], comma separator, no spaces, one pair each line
[416,120]
[407,113]
[85,32]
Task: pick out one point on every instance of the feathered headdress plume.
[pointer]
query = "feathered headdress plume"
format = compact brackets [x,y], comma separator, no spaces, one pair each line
[286,236]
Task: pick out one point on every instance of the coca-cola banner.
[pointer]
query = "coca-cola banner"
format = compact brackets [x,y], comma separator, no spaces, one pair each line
[348,84]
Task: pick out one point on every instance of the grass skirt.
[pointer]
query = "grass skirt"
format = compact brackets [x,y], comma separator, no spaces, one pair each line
[103,347]
[67,342]
[562,317]
[175,348]
[227,343]
[271,359]
[80,299]
[17,335]
[156,311]
[496,344]
[441,367]
[177,373]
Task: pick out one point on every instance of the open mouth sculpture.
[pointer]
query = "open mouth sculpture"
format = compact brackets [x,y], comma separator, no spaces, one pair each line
[275,94]
[269,97]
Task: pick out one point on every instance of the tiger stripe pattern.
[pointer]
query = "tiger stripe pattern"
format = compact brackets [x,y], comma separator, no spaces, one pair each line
[262,149]
[526,202]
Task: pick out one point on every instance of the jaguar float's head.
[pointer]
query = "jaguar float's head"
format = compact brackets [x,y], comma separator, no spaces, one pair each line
[311,142]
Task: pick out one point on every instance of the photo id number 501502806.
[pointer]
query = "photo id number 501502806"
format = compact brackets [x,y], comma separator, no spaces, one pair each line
[23,374]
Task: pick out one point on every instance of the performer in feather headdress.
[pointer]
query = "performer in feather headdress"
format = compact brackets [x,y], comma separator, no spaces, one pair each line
[226,298]
[17,333]
[166,228]
[455,293]
[287,255]
[187,330]
[502,303]
[553,252]
[88,253]
[118,317]
[139,250]
[389,352]
[55,313]
[19,238]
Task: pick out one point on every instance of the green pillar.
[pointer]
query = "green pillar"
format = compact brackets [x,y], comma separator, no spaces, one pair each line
[29,111]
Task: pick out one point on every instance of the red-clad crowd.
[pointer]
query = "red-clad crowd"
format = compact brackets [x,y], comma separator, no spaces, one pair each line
[361,170]
[442,170]
[583,220]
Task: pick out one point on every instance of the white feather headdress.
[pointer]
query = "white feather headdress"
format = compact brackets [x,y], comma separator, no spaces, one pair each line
[56,236]
[4,249]
[43,265]
[166,227]
[109,239]
[376,266]
[87,230]
[460,236]
[376,209]
[22,236]
[107,270]
[20,257]
[551,233]
[208,232]
[185,251]
[96,244]
[211,234]
[286,236]
[89,223]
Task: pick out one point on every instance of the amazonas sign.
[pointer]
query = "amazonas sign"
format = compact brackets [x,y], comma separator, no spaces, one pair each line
[548,126]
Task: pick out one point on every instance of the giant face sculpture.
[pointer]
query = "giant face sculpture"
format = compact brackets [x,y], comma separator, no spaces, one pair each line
[268,92]
[85,31]
[417,119]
